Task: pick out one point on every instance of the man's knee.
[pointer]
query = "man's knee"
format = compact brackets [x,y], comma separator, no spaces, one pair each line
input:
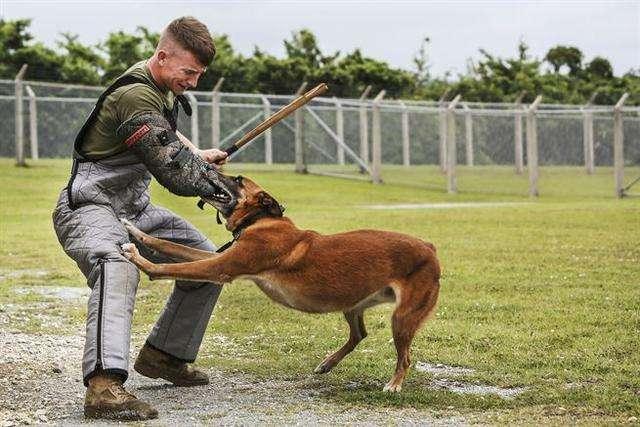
[113,269]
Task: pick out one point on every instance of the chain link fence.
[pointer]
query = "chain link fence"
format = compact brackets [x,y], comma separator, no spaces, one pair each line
[457,146]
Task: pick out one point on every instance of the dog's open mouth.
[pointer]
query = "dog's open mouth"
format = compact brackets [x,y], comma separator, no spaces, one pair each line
[220,195]
[218,199]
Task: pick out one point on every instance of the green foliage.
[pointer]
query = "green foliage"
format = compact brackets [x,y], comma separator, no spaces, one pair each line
[13,38]
[228,64]
[490,79]
[44,63]
[600,67]
[80,63]
[123,50]
[421,61]
[304,46]
[569,56]
[363,71]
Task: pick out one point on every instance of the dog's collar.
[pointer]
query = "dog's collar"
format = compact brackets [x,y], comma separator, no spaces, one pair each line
[236,232]
[247,222]
[236,235]
[244,224]
[226,246]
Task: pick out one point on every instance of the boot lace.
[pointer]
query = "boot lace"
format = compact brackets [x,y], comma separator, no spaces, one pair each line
[120,392]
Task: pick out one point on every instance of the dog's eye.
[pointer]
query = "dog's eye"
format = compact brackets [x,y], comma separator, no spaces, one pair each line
[238,179]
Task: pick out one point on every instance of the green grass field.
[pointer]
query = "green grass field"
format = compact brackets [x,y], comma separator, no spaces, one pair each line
[543,295]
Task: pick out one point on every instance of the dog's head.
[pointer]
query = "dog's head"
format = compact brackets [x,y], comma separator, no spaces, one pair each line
[248,200]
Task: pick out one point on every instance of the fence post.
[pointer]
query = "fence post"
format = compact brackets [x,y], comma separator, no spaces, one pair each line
[468,127]
[33,122]
[339,129]
[19,123]
[301,166]
[587,136]
[376,139]
[406,154]
[215,114]
[618,146]
[532,147]
[268,142]
[443,131]
[195,130]
[518,152]
[452,157]
[364,128]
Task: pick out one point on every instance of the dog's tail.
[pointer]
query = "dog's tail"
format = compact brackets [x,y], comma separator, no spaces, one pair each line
[434,259]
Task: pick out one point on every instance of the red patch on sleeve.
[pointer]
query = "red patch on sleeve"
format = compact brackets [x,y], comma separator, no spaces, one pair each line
[137,135]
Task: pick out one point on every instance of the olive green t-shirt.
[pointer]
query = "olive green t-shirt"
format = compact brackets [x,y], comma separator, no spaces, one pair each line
[123,104]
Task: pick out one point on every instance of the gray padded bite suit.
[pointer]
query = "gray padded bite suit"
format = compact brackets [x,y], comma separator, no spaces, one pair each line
[89,230]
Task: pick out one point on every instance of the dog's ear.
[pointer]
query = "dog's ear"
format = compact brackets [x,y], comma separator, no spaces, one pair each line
[270,204]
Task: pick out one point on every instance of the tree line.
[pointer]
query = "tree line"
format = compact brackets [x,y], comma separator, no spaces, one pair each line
[564,75]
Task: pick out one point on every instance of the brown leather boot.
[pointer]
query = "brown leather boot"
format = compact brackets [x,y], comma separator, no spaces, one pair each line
[153,363]
[106,398]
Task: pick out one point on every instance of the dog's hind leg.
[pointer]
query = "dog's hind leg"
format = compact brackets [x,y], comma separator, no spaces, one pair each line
[417,301]
[357,333]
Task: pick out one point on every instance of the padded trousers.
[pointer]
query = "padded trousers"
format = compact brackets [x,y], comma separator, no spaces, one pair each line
[91,234]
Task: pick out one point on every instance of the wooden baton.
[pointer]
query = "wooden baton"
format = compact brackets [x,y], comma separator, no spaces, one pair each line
[277,116]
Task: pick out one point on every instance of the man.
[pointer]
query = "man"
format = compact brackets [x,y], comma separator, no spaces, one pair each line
[131,133]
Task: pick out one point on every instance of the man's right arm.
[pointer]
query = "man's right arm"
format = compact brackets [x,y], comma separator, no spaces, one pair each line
[148,134]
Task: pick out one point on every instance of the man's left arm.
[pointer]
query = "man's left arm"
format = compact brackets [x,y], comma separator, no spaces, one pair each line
[212,156]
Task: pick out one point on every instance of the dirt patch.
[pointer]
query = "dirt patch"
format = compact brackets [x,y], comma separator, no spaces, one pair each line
[21,315]
[481,389]
[18,274]
[40,382]
[440,370]
[64,293]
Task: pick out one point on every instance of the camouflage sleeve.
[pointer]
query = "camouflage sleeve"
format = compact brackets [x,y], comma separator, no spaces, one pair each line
[173,164]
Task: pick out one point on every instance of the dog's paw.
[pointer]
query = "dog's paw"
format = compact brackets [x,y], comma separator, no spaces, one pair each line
[321,369]
[131,229]
[324,367]
[129,251]
[392,388]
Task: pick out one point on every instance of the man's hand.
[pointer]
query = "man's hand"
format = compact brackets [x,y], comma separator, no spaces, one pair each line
[213,156]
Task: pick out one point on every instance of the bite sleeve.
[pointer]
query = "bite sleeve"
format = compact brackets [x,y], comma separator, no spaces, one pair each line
[172,163]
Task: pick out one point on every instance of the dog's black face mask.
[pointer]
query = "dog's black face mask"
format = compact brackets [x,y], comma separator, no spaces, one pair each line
[251,202]
[226,199]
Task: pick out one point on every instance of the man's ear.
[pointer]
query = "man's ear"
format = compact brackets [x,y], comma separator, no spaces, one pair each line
[162,57]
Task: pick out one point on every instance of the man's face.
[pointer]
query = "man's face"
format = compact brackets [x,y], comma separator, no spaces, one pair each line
[180,70]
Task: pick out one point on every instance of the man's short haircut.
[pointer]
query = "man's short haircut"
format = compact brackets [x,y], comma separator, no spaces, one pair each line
[193,36]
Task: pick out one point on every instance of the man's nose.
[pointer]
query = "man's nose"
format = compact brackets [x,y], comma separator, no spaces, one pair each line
[193,81]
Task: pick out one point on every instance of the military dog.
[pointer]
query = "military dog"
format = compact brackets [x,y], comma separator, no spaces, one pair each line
[308,271]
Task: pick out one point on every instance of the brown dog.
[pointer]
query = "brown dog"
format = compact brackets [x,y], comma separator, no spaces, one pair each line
[310,272]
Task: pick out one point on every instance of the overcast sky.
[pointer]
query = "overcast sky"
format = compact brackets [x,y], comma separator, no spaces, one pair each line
[386,30]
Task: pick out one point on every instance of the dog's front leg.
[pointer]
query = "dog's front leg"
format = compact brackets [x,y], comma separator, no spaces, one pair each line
[173,250]
[130,252]
[208,270]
